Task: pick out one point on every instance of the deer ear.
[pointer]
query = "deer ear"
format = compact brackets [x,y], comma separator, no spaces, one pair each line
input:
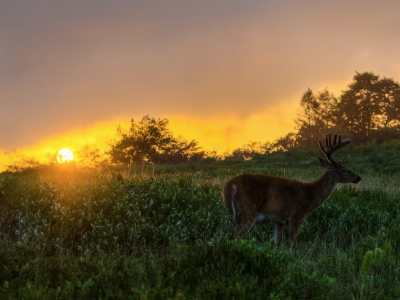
[324,163]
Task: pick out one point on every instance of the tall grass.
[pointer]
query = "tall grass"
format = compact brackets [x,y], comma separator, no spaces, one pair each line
[161,231]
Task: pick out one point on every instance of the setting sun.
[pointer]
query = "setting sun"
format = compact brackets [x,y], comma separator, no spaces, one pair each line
[65,155]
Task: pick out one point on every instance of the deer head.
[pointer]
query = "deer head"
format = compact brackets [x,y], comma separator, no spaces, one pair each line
[335,169]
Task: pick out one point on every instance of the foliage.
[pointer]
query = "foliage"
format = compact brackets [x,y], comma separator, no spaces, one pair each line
[385,134]
[248,151]
[368,110]
[90,156]
[308,120]
[18,162]
[150,141]
[162,231]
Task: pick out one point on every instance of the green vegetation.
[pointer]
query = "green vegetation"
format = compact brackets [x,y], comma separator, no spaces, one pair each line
[162,232]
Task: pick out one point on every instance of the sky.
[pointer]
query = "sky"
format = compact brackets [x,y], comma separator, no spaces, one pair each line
[222,71]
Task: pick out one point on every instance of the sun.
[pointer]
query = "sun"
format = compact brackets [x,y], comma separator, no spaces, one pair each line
[65,155]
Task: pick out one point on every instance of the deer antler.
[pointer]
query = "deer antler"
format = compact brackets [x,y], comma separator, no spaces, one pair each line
[332,148]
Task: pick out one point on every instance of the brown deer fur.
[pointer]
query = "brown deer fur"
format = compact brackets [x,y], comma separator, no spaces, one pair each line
[255,198]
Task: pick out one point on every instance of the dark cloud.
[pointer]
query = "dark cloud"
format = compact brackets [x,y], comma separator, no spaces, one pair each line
[68,64]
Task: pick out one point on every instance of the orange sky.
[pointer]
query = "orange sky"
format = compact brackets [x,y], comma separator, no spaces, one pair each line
[224,72]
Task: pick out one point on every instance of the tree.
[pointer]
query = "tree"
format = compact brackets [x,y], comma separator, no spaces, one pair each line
[144,141]
[359,107]
[249,150]
[308,119]
[286,142]
[181,151]
[389,96]
[327,103]
[368,104]
[90,156]
[150,141]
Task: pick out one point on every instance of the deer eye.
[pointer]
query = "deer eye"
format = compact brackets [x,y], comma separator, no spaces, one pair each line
[344,171]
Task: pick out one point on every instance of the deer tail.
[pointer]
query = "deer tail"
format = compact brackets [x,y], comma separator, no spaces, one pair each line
[229,193]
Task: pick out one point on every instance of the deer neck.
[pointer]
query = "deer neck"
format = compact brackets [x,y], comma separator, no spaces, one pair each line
[321,189]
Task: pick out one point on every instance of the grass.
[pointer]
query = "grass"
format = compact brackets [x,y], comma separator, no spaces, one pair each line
[160,231]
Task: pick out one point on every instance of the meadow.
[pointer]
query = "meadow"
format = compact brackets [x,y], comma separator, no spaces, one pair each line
[163,232]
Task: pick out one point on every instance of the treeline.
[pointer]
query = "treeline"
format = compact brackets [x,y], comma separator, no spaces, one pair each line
[149,141]
[368,110]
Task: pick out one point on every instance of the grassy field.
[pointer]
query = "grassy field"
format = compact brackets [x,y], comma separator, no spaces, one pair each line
[160,231]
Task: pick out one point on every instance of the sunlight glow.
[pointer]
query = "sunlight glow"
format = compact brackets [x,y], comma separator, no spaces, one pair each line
[65,155]
[220,133]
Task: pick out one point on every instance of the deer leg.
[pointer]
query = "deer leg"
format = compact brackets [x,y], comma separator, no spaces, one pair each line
[243,228]
[239,225]
[278,234]
[294,229]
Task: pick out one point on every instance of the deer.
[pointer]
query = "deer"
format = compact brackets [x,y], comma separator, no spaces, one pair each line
[258,199]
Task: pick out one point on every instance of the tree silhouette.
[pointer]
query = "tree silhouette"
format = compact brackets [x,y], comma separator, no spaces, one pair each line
[90,156]
[360,108]
[389,96]
[286,142]
[307,119]
[314,111]
[150,141]
[327,104]
[369,103]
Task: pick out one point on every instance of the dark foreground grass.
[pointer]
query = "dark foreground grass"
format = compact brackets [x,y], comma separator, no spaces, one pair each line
[106,234]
